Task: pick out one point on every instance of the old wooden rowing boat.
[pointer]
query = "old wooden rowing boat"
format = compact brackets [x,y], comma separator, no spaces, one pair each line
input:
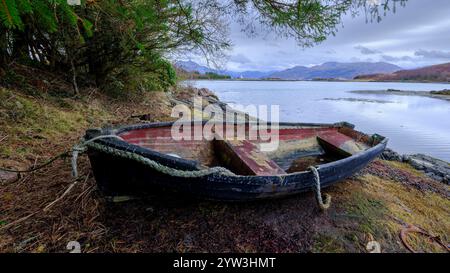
[138,159]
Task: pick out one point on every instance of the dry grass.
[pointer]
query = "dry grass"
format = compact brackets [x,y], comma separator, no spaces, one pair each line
[32,124]
[370,206]
[404,206]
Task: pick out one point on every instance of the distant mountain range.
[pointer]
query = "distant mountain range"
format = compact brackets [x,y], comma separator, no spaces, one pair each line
[434,73]
[191,66]
[330,70]
[334,70]
[249,74]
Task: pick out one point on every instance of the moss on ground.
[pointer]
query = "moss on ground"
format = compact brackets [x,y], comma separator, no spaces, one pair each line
[369,210]
[382,207]
[404,167]
[427,210]
[29,122]
[327,243]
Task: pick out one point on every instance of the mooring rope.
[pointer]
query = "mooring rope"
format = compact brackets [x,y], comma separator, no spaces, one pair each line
[33,169]
[323,205]
[76,150]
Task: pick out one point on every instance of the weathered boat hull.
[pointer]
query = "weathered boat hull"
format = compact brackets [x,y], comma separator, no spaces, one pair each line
[117,176]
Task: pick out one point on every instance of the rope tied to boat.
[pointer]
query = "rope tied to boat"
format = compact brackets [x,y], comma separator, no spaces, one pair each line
[85,144]
[82,147]
[323,204]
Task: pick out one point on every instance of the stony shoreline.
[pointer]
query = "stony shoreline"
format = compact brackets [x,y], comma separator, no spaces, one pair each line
[432,167]
[210,99]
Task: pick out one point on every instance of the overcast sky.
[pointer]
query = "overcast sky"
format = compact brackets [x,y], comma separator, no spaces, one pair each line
[416,35]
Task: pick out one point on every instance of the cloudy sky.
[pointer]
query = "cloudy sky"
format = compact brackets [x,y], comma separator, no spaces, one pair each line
[416,35]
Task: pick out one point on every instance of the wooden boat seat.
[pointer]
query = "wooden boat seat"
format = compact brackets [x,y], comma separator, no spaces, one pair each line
[340,143]
[245,158]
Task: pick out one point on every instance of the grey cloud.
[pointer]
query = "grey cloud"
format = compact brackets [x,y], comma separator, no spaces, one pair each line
[389,58]
[240,58]
[433,54]
[397,39]
[367,51]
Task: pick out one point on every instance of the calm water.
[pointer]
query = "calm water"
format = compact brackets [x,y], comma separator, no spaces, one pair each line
[413,124]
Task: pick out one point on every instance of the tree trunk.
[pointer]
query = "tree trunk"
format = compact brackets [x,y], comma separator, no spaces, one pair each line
[3,48]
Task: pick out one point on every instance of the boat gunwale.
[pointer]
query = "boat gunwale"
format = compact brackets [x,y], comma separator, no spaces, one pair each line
[193,165]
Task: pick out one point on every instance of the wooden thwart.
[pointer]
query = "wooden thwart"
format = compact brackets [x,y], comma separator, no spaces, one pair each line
[245,158]
[340,143]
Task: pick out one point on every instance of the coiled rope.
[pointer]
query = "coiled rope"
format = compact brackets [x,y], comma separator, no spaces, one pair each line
[323,205]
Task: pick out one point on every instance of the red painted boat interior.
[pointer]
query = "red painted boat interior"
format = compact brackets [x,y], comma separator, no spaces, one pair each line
[298,148]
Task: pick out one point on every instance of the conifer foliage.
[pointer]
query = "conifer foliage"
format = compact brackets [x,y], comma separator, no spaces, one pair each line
[109,43]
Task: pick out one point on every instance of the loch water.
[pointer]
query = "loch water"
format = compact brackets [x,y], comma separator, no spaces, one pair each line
[413,124]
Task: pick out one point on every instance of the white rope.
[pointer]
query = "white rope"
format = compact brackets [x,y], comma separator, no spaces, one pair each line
[323,205]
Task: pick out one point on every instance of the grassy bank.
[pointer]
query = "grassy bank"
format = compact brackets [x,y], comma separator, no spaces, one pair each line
[373,205]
